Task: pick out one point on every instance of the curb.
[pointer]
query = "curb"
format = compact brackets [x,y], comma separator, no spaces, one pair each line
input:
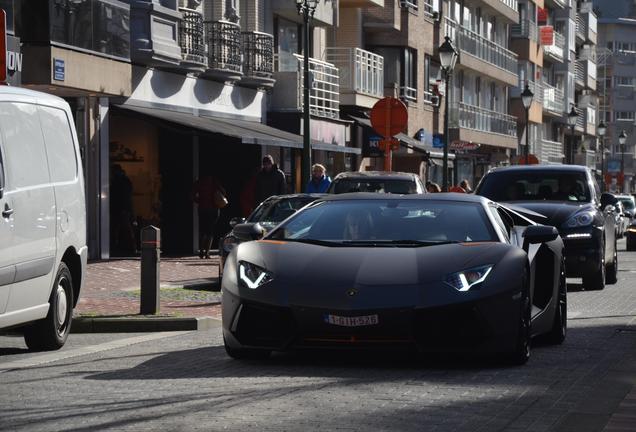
[141,324]
[196,284]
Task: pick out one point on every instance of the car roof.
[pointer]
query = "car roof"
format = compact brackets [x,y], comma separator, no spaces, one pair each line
[451,196]
[375,174]
[559,167]
[295,196]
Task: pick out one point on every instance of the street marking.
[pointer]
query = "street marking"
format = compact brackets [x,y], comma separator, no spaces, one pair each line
[93,349]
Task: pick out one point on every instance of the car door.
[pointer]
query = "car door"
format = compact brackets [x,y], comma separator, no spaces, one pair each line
[33,204]
[7,263]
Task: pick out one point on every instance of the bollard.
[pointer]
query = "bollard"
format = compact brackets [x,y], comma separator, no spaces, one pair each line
[150,252]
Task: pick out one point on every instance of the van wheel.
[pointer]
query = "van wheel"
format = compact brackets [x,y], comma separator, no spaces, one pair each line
[51,332]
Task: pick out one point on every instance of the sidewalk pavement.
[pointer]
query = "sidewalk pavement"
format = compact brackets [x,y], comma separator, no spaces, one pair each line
[189,289]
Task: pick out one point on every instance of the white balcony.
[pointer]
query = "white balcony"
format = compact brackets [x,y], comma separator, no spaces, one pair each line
[484,120]
[553,100]
[556,50]
[324,95]
[361,75]
[551,152]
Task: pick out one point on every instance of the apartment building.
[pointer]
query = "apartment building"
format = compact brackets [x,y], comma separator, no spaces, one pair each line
[486,72]
[617,84]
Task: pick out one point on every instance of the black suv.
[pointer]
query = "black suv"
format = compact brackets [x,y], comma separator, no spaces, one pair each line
[569,197]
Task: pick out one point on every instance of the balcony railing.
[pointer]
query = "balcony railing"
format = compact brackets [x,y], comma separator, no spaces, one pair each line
[581,26]
[553,99]
[474,44]
[526,29]
[409,4]
[551,151]
[579,72]
[224,46]
[408,94]
[324,96]
[430,98]
[557,49]
[485,120]
[191,38]
[512,4]
[360,71]
[534,87]
[258,55]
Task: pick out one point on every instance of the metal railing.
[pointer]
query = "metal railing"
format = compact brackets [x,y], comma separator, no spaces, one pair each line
[258,52]
[408,94]
[429,7]
[430,98]
[324,95]
[553,98]
[581,26]
[562,3]
[224,41]
[410,4]
[535,88]
[512,4]
[191,37]
[579,72]
[360,71]
[551,151]
[557,49]
[484,120]
[474,44]
[526,29]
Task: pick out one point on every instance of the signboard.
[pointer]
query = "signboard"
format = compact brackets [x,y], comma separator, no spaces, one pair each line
[373,148]
[613,166]
[463,145]
[389,117]
[58,69]
[546,35]
[438,141]
[542,16]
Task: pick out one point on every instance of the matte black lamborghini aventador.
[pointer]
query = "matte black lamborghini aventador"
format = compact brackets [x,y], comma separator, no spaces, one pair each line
[437,272]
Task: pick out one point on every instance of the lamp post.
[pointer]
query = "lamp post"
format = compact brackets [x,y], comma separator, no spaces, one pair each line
[526,98]
[447,58]
[306,8]
[572,117]
[622,138]
[601,129]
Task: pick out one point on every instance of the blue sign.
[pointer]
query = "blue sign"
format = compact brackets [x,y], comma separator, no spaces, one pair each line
[438,141]
[58,69]
[613,166]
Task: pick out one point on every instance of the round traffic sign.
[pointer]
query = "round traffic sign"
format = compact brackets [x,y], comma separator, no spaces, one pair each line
[389,117]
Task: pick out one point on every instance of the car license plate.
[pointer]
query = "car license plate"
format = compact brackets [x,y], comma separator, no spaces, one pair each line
[356,321]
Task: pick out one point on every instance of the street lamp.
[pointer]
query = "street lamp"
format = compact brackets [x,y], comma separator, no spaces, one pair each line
[447,57]
[622,138]
[572,117]
[601,129]
[306,8]
[526,98]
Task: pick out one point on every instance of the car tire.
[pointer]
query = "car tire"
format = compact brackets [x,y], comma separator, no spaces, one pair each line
[246,353]
[611,273]
[596,281]
[521,353]
[560,324]
[51,332]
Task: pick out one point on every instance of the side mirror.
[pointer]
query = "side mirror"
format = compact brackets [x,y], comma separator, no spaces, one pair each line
[249,231]
[607,199]
[536,234]
[236,220]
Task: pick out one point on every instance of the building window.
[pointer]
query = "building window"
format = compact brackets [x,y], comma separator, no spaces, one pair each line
[624,81]
[287,44]
[408,75]
[624,116]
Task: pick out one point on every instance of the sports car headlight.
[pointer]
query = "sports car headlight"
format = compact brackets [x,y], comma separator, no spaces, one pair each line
[229,243]
[465,280]
[253,276]
[580,220]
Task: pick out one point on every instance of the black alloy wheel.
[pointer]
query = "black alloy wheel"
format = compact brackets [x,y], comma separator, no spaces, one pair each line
[560,324]
[596,281]
[51,332]
[521,353]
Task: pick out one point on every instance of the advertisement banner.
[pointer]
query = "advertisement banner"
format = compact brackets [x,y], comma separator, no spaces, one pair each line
[542,16]
[546,35]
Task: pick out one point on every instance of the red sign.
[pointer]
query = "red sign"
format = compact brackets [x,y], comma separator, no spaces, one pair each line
[3,46]
[531,160]
[542,16]
[463,145]
[389,117]
[546,35]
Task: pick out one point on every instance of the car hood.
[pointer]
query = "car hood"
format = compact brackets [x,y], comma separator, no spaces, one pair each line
[556,212]
[318,275]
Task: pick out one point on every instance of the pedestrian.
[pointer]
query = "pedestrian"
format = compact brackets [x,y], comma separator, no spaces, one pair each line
[466,186]
[319,182]
[457,189]
[121,212]
[210,197]
[433,188]
[270,181]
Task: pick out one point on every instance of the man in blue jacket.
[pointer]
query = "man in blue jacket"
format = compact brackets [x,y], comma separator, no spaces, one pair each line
[319,182]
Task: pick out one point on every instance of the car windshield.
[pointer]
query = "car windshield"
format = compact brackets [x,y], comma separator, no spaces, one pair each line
[389,222]
[394,186]
[272,212]
[628,202]
[535,186]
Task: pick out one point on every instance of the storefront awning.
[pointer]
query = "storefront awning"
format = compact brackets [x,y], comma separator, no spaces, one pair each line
[408,142]
[249,132]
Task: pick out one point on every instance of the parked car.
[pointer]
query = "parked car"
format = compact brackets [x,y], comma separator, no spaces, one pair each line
[435,272]
[43,224]
[570,199]
[263,219]
[628,205]
[630,235]
[377,181]
[621,219]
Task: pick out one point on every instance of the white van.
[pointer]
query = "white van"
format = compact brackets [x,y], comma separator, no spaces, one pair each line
[43,217]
